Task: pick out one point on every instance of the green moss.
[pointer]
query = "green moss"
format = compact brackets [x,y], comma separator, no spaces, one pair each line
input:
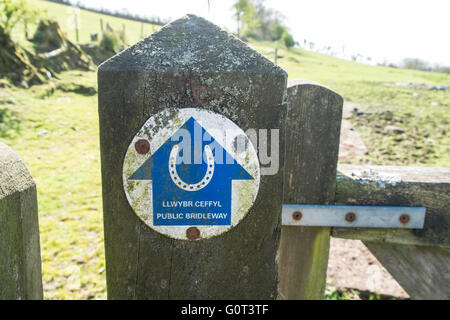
[318,262]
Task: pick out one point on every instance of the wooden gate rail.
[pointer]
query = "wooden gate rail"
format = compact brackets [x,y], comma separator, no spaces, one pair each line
[397,186]
[418,259]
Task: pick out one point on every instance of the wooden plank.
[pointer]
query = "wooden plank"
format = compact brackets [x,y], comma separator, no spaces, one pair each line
[312,145]
[20,258]
[184,65]
[423,271]
[397,186]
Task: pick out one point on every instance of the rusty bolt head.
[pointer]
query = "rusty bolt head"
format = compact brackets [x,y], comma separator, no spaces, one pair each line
[350,217]
[142,146]
[192,233]
[297,215]
[404,218]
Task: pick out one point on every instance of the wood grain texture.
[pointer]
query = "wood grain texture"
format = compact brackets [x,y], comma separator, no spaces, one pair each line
[398,186]
[20,258]
[312,146]
[423,271]
[184,65]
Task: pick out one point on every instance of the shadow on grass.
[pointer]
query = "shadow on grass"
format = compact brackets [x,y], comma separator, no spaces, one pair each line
[354,294]
[9,122]
[77,88]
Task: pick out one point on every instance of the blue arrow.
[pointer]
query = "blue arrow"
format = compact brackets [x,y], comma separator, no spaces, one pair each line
[173,205]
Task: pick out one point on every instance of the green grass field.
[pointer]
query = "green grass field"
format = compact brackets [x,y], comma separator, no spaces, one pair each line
[54,129]
[423,114]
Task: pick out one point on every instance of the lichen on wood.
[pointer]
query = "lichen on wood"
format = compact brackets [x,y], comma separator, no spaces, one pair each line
[398,186]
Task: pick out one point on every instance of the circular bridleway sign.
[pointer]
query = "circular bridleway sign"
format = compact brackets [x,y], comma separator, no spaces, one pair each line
[191,173]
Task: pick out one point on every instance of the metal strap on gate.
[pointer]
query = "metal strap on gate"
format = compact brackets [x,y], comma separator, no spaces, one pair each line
[353,216]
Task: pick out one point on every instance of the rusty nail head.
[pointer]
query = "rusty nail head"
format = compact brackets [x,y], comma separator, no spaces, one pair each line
[350,217]
[297,215]
[192,233]
[404,218]
[142,146]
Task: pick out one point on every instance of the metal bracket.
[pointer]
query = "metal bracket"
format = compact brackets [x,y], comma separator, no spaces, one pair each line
[353,216]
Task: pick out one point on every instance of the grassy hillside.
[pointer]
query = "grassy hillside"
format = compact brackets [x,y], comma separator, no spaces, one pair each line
[54,128]
[89,22]
[55,131]
[423,114]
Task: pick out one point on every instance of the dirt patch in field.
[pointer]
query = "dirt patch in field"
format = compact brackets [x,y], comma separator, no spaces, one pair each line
[351,265]
[351,146]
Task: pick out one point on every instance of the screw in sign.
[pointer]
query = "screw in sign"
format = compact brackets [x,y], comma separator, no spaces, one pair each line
[191,173]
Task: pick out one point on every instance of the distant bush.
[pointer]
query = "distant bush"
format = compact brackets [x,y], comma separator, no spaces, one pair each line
[278,32]
[110,41]
[419,64]
[288,40]
[415,64]
[13,12]
[260,23]
[443,69]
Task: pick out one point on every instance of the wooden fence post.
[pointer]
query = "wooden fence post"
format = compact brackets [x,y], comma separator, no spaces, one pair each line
[188,67]
[20,258]
[77,27]
[312,146]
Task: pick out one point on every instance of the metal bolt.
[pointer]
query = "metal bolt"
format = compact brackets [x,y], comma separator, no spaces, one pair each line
[404,218]
[350,217]
[192,233]
[297,215]
[142,146]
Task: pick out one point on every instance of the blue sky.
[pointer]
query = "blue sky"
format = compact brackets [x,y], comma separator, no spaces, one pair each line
[382,29]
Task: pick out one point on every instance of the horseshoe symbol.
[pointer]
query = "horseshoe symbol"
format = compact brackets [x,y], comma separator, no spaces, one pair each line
[186,186]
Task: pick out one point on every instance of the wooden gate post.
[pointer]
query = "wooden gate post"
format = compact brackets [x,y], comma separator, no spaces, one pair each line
[312,145]
[189,66]
[20,257]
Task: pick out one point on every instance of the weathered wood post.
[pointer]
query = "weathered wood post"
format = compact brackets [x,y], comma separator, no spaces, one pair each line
[173,229]
[312,145]
[20,258]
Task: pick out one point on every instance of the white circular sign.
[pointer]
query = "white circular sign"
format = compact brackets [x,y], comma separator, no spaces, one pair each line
[191,173]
